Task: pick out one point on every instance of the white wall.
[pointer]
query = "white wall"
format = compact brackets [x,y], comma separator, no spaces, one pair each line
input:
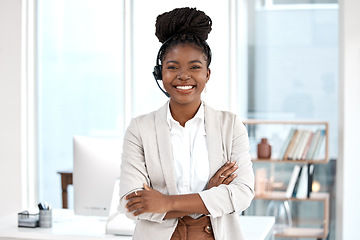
[10,106]
[348,164]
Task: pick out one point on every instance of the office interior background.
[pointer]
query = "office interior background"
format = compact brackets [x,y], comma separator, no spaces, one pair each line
[85,68]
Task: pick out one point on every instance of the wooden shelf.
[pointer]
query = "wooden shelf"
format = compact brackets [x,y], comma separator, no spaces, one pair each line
[280,195]
[274,160]
[303,233]
[258,121]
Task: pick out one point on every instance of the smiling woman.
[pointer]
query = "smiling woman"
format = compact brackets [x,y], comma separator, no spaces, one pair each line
[185,74]
[186,170]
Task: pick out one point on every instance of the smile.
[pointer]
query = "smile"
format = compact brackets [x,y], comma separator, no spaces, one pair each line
[184,87]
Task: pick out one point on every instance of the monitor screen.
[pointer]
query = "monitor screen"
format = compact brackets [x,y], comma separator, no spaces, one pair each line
[96,168]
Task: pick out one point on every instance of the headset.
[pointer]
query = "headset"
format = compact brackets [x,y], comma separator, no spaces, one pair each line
[158,67]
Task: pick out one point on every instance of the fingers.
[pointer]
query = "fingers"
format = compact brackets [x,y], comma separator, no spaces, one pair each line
[230,169]
[229,179]
[228,165]
[135,206]
[137,193]
[147,200]
[134,203]
[146,187]
[226,170]
[133,195]
[227,173]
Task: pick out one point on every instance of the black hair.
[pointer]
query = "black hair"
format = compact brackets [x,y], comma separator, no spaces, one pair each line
[184,25]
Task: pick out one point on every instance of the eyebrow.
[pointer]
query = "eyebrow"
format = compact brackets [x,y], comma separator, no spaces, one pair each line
[176,62]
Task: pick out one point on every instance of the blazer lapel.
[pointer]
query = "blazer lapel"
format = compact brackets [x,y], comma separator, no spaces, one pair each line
[214,140]
[165,152]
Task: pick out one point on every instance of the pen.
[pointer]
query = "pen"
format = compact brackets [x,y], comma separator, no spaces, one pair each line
[40,206]
[44,206]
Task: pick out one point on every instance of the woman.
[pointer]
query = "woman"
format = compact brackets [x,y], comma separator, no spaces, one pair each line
[186,171]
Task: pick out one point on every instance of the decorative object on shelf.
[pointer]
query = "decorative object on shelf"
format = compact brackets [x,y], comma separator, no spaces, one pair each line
[264,149]
[281,211]
[316,186]
[263,185]
[260,181]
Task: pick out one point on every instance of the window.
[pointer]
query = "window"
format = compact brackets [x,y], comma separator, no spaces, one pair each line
[293,75]
[293,65]
[80,82]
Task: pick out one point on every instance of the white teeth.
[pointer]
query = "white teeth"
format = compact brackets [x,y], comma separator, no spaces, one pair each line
[184,87]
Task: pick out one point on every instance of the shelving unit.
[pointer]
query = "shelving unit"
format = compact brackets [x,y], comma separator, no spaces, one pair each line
[299,232]
[318,233]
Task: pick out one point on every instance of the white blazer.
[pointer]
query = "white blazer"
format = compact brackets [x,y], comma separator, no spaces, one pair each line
[147,158]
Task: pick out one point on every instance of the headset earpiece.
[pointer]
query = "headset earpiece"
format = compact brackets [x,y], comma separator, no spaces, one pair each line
[157,72]
[158,77]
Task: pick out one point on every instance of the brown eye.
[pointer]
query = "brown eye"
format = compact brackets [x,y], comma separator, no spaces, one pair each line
[195,67]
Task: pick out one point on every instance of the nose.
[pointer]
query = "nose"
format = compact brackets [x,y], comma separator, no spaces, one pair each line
[183,75]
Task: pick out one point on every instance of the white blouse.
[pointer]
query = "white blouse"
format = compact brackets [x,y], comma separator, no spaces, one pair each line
[190,153]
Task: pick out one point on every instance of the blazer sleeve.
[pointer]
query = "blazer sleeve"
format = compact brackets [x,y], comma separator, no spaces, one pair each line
[237,196]
[134,172]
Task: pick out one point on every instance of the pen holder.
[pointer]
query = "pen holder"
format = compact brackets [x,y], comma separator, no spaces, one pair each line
[45,218]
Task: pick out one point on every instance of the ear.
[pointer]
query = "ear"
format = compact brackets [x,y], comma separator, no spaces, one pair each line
[208,75]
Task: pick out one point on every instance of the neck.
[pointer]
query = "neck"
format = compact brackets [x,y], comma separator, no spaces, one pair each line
[183,113]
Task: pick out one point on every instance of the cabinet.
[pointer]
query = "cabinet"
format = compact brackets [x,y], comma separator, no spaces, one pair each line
[258,129]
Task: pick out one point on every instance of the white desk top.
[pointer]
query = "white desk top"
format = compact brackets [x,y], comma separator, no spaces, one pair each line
[66,225]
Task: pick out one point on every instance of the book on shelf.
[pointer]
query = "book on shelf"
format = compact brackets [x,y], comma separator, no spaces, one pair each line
[313,144]
[302,189]
[294,192]
[297,140]
[286,143]
[310,178]
[307,146]
[302,144]
[292,143]
[293,179]
[319,145]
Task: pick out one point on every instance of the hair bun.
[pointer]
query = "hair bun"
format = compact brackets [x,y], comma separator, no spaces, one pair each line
[182,20]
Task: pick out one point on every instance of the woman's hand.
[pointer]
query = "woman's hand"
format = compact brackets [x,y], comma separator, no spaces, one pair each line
[225,175]
[150,200]
[147,200]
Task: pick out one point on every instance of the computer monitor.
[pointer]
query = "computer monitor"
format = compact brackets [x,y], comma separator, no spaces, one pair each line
[96,168]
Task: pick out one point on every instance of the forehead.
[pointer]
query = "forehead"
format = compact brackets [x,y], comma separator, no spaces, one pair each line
[184,51]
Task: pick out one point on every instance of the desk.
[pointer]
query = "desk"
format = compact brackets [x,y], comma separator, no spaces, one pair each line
[66,225]
[66,180]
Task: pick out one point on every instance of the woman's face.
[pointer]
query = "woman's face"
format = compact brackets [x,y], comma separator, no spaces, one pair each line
[185,73]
